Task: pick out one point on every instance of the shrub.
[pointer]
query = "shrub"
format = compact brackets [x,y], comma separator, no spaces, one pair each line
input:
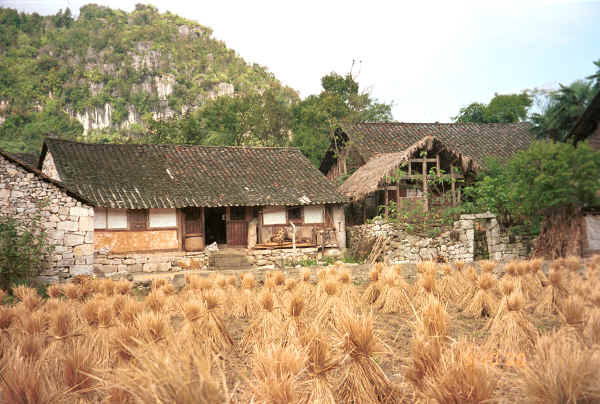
[23,250]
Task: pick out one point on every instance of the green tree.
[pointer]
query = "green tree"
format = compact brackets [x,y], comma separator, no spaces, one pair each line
[503,108]
[340,104]
[546,177]
[563,108]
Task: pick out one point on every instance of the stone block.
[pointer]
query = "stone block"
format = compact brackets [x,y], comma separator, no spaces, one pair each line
[129,261]
[83,249]
[164,267]
[56,234]
[135,268]
[262,262]
[121,268]
[80,211]
[86,223]
[89,236]
[73,240]
[183,262]
[67,226]
[150,267]
[81,270]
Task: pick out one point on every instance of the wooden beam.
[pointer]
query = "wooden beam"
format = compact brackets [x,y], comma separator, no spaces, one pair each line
[437,164]
[429,160]
[398,199]
[385,192]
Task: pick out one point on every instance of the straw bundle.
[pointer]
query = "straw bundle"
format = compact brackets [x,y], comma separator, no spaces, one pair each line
[512,332]
[372,292]
[426,287]
[277,372]
[553,294]
[572,315]
[449,288]
[483,303]
[561,370]
[266,326]
[321,361]
[461,376]
[331,307]
[305,287]
[488,266]
[592,330]
[394,294]
[362,380]
[246,305]
[348,292]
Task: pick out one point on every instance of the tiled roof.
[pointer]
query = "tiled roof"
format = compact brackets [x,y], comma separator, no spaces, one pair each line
[28,158]
[473,140]
[167,176]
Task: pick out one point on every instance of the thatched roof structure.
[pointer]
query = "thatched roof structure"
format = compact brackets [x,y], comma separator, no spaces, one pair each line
[368,177]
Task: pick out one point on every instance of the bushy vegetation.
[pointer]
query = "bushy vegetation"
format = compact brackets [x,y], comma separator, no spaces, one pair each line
[458,333]
[546,177]
[23,250]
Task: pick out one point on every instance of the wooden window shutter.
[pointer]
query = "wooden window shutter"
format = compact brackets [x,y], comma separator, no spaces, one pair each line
[137,219]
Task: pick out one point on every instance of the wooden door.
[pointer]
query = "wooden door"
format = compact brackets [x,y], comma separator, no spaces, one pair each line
[237,226]
[193,221]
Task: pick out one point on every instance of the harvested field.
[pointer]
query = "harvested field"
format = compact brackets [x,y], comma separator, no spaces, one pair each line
[449,334]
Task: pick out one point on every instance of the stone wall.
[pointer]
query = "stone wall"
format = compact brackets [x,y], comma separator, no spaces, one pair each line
[24,194]
[459,244]
[110,265]
[269,259]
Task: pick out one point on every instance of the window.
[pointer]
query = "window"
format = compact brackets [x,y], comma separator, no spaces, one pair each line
[110,218]
[162,218]
[274,216]
[294,213]
[237,213]
[99,218]
[137,219]
[313,214]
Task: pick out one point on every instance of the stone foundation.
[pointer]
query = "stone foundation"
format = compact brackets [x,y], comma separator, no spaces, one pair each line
[117,265]
[459,244]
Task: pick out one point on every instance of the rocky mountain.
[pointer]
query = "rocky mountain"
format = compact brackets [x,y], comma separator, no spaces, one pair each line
[112,72]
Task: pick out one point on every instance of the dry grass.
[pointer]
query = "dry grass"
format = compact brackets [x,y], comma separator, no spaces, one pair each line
[95,341]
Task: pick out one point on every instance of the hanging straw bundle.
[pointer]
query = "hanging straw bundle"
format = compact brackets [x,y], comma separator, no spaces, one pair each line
[483,303]
[362,380]
[512,333]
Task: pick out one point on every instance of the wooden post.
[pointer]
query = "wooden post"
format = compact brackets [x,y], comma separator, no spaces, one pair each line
[425,201]
[386,199]
[437,164]
[453,185]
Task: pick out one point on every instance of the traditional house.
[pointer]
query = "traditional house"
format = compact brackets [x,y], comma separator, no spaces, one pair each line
[381,163]
[172,199]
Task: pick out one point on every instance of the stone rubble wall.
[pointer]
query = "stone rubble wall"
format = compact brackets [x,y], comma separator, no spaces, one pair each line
[68,222]
[455,245]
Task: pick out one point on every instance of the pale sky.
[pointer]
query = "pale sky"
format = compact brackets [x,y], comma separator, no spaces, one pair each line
[428,58]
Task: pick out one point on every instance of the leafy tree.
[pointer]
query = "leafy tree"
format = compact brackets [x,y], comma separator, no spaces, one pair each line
[547,176]
[341,103]
[503,108]
[563,109]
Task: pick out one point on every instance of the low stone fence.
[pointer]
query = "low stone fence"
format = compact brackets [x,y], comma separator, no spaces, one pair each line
[475,236]
[117,265]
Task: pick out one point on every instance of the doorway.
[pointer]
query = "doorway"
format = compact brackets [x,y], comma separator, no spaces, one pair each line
[216,229]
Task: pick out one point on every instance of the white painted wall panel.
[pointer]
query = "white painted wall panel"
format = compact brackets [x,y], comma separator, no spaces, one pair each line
[163,218]
[313,214]
[99,218]
[274,216]
[117,218]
